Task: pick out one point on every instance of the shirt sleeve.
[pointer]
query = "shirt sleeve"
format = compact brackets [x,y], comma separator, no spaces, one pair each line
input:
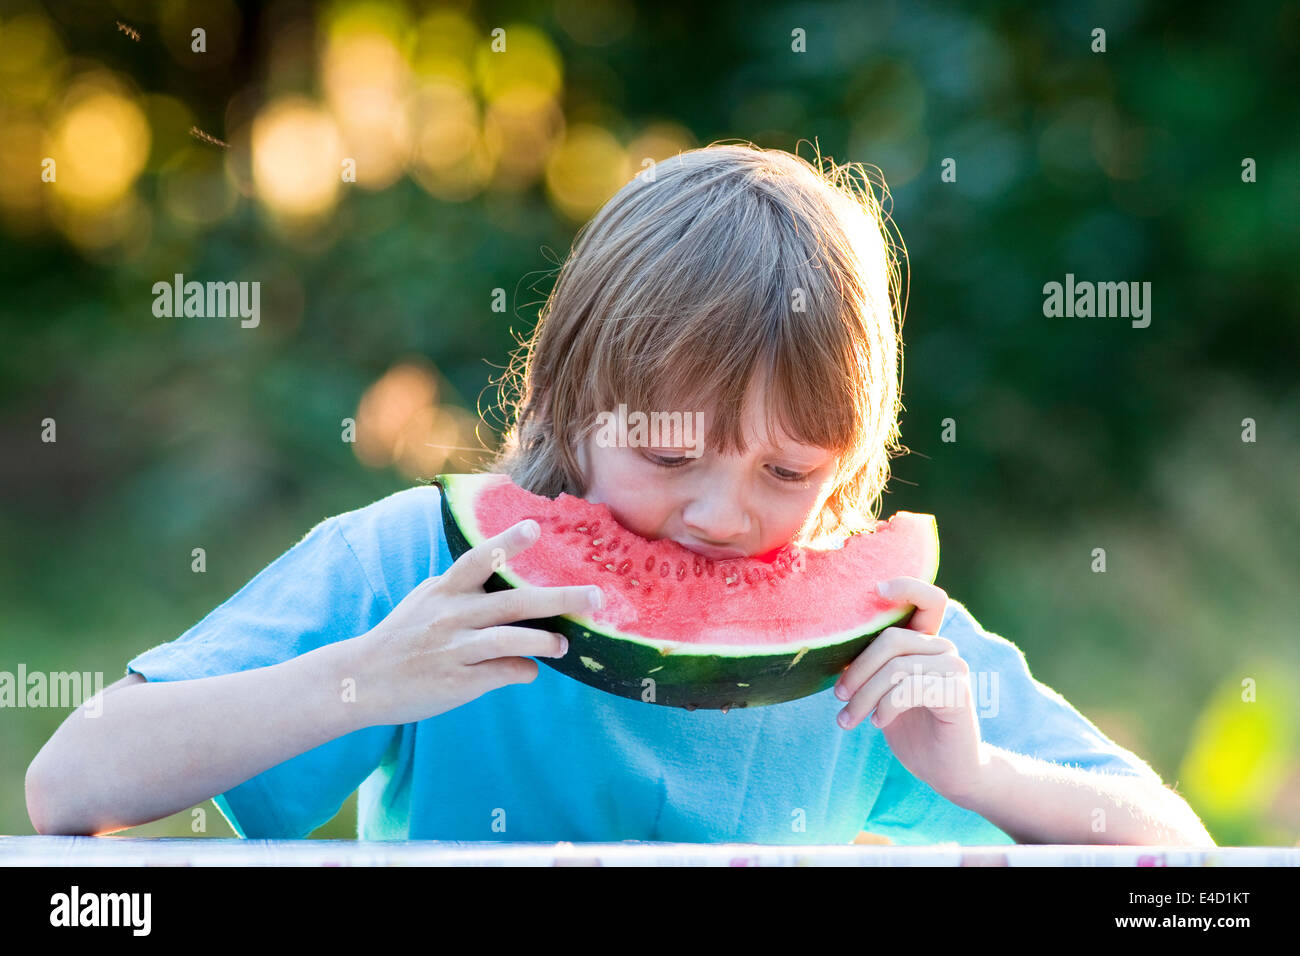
[1017,713]
[314,594]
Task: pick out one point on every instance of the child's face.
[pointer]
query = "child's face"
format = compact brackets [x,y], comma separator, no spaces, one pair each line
[715,505]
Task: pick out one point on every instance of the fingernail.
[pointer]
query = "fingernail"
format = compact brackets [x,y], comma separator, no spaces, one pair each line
[564,646]
[840,692]
[843,718]
[884,588]
[531,530]
[597,597]
[875,719]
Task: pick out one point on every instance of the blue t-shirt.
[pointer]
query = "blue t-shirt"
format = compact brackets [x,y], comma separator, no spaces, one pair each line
[557,760]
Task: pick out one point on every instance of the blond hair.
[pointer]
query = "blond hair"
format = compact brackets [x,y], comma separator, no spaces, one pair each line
[732,261]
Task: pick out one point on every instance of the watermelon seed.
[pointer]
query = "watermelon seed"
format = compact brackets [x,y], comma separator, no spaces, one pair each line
[595,555]
[596,543]
[609,567]
[582,528]
[635,581]
[681,570]
[650,563]
[699,569]
[624,566]
[731,579]
[663,570]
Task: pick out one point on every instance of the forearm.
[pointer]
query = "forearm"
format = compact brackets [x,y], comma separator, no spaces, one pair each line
[158,748]
[1034,801]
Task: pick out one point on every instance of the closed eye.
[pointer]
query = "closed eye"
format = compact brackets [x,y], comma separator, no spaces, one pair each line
[786,475]
[667,461]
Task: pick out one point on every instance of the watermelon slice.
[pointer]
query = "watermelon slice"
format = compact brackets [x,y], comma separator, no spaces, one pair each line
[679,629]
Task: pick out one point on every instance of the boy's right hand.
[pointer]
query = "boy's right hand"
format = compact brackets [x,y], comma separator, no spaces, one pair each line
[448,641]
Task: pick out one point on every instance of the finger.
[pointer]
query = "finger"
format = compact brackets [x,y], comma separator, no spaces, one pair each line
[501,671]
[473,568]
[492,643]
[931,601]
[891,642]
[942,694]
[529,604]
[896,673]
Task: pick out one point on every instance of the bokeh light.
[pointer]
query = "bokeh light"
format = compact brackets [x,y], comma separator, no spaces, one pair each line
[99,141]
[367,81]
[444,47]
[587,168]
[451,160]
[521,129]
[529,60]
[297,159]
[1240,749]
[32,61]
[388,405]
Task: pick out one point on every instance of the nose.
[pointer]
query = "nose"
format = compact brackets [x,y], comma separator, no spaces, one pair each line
[718,516]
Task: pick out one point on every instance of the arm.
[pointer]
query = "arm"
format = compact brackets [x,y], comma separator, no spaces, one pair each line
[158,748]
[1034,801]
[978,764]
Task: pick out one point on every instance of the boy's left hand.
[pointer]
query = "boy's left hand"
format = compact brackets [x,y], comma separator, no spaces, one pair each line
[920,689]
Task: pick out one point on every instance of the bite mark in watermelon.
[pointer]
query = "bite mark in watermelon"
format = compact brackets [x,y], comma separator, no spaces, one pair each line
[679,629]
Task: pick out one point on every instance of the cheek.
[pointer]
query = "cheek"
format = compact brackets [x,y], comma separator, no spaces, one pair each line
[635,496]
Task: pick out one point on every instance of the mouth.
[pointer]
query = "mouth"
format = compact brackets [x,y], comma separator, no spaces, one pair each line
[713,554]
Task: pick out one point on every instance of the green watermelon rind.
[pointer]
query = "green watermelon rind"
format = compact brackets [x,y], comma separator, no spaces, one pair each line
[693,676]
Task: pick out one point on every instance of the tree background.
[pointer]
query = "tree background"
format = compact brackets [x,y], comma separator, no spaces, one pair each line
[474,171]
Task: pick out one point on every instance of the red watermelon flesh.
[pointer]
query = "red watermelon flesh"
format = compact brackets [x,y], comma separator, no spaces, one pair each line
[663,591]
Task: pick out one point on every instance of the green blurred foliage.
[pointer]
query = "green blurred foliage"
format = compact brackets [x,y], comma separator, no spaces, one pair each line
[1072,434]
